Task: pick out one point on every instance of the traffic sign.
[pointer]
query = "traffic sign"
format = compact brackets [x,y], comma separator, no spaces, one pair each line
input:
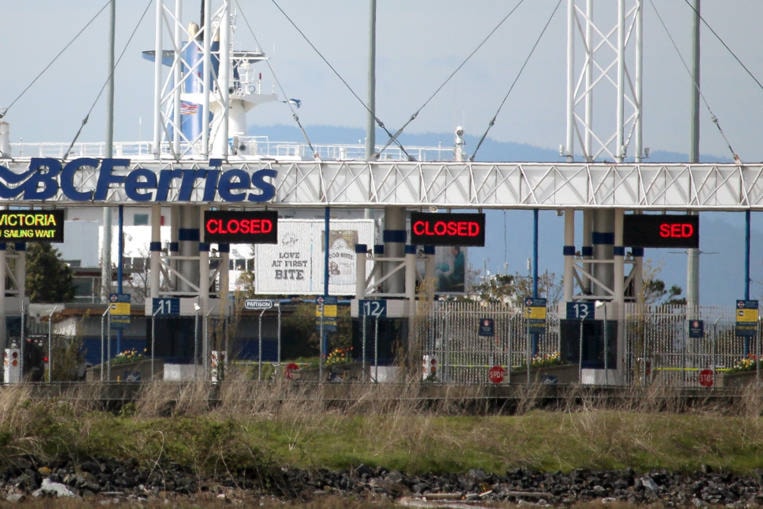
[746,317]
[327,310]
[706,378]
[165,306]
[375,308]
[535,308]
[119,310]
[580,310]
[696,328]
[258,304]
[495,374]
[487,327]
[535,313]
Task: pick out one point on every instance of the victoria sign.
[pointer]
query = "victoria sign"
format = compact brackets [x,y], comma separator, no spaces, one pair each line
[30,225]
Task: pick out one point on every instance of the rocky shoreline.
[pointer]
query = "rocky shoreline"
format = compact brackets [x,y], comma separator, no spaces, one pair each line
[28,479]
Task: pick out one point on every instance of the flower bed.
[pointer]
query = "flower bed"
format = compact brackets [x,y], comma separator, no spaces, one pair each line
[548,374]
[133,371]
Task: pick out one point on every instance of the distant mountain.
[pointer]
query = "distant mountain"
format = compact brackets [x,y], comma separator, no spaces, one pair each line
[491,150]
[509,233]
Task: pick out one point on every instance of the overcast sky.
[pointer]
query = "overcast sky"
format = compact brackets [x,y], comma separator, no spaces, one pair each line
[419,44]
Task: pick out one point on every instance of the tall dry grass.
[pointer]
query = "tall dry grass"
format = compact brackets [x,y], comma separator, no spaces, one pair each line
[405,425]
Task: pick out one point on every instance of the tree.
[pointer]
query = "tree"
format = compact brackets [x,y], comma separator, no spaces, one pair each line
[656,293]
[513,288]
[654,290]
[48,277]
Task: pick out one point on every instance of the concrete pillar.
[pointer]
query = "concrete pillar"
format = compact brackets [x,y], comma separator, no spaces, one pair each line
[203,267]
[21,271]
[603,241]
[638,276]
[188,238]
[394,245]
[410,287]
[410,274]
[223,270]
[586,250]
[378,269]
[618,252]
[204,302]
[430,276]
[360,270]
[569,254]
[155,249]
[174,245]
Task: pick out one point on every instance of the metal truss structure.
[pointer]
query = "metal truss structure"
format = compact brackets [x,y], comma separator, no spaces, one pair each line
[607,79]
[674,186]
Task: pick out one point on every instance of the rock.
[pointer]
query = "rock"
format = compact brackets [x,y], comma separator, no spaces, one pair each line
[173,482]
[55,489]
[15,498]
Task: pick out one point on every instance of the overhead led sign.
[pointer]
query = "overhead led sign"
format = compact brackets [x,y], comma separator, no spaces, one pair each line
[642,230]
[32,225]
[241,227]
[433,229]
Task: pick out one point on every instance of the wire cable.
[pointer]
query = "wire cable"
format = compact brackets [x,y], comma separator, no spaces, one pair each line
[516,79]
[454,72]
[341,78]
[731,52]
[109,77]
[44,70]
[713,117]
[280,86]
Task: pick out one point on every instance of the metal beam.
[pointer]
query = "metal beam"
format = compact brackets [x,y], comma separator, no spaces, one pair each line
[694,187]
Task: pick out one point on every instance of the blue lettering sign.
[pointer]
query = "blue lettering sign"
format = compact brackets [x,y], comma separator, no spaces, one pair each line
[90,179]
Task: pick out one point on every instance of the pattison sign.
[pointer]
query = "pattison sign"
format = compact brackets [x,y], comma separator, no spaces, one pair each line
[89,179]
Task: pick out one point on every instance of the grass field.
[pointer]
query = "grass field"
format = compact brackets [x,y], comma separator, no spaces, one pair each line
[265,425]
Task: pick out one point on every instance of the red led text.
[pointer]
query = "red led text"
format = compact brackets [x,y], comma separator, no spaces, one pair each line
[676,230]
[447,228]
[235,226]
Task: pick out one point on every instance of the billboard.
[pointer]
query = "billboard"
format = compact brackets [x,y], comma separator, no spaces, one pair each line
[295,265]
[450,264]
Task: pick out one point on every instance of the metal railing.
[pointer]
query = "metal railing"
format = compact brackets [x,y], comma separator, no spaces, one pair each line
[658,346]
[243,147]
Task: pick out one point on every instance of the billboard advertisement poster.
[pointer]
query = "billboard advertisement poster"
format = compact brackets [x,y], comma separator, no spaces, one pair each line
[294,266]
[341,256]
[450,264]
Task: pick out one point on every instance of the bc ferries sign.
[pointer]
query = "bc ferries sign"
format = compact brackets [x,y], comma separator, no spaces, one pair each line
[89,179]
